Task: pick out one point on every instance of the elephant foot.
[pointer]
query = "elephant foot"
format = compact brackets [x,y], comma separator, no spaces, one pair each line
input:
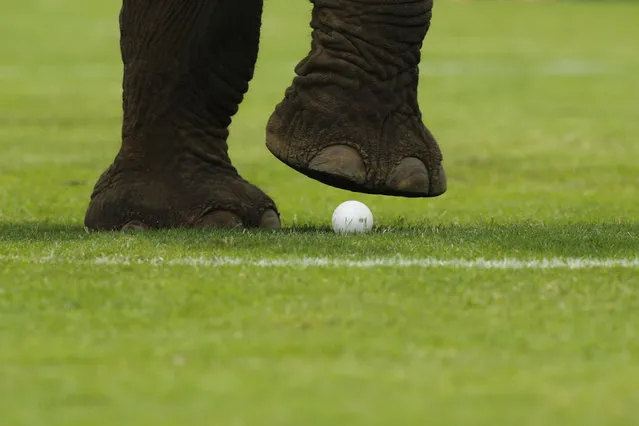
[351,118]
[204,196]
[366,151]
[187,66]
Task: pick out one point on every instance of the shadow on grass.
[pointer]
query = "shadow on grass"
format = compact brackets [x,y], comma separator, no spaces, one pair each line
[40,232]
[469,240]
[43,232]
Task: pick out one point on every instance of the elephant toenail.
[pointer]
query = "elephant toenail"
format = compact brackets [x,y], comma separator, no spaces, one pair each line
[410,176]
[220,219]
[438,182]
[135,225]
[270,220]
[340,161]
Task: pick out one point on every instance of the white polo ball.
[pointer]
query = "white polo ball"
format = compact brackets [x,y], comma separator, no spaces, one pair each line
[352,217]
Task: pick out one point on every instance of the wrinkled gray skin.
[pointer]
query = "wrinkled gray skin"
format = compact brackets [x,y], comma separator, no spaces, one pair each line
[350,118]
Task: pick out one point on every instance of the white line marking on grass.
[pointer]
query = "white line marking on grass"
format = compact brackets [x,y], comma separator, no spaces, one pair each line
[324,262]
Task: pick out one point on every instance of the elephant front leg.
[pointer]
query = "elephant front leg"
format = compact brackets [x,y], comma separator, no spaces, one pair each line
[351,117]
[187,65]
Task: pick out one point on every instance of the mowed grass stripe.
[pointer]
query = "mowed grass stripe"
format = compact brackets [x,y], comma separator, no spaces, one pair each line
[325,262]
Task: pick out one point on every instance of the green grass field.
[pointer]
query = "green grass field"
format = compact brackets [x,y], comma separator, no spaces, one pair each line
[512,299]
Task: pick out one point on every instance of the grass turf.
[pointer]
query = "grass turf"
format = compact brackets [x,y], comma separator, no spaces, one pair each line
[535,107]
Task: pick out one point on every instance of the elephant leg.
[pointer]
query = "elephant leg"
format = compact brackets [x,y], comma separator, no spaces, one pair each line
[187,65]
[351,118]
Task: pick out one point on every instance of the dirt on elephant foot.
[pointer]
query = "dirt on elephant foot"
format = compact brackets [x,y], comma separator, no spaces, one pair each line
[139,199]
